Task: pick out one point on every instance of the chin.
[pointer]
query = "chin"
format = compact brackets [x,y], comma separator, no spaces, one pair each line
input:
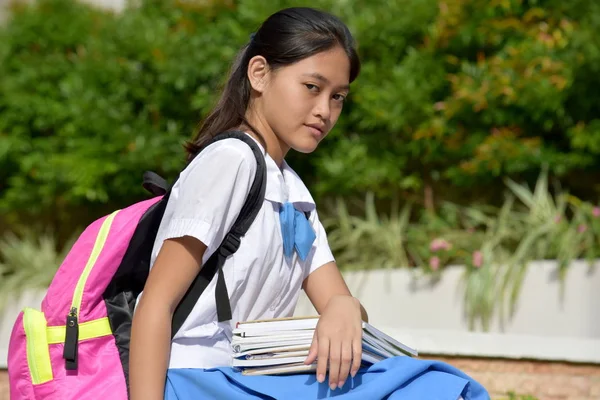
[306,147]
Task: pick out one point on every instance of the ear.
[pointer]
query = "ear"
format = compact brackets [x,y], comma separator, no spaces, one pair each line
[258,71]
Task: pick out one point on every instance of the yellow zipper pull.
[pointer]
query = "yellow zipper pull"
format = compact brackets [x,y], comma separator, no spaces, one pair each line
[71,340]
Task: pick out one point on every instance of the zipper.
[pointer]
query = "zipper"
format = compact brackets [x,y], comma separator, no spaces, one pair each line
[72,326]
[71,340]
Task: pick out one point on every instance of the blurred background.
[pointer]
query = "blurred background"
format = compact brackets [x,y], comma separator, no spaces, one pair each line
[460,188]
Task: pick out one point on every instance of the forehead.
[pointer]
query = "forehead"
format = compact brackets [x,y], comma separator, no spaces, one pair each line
[332,65]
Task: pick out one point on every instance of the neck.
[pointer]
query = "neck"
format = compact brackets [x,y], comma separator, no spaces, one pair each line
[276,148]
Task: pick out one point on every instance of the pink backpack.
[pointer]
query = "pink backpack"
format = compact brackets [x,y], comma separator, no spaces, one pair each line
[77,346]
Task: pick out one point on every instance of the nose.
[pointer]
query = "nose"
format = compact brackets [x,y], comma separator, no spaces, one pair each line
[322,109]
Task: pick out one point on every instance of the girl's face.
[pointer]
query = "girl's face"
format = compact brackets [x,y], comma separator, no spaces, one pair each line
[300,103]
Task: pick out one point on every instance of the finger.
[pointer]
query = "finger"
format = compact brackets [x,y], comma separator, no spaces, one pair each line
[335,355]
[346,362]
[356,356]
[313,351]
[322,359]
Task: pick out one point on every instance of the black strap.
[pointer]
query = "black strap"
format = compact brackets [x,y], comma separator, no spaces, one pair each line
[229,245]
[154,183]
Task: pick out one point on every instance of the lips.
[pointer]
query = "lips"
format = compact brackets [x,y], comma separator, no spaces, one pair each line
[316,129]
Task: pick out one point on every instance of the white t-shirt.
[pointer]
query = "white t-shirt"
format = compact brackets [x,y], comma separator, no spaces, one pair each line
[261,281]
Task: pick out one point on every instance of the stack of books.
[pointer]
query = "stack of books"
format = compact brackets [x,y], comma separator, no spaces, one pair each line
[280,346]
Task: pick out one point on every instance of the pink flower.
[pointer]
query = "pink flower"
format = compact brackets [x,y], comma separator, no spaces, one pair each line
[434,263]
[477,259]
[557,219]
[596,212]
[582,228]
[440,244]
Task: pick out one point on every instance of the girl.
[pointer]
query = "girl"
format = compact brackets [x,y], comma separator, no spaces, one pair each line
[286,91]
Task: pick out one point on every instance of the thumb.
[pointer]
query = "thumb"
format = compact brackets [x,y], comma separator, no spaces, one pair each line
[313,352]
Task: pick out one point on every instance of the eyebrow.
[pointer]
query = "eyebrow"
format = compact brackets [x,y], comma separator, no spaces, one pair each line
[321,78]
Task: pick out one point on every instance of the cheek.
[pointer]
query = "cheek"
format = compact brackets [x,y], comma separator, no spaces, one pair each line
[336,111]
[288,104]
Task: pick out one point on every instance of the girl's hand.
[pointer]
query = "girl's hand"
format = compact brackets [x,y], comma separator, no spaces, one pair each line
[338,340]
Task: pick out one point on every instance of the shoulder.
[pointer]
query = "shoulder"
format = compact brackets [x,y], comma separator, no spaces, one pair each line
[223,156]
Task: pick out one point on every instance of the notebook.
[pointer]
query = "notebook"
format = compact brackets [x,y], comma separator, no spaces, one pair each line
[280,346]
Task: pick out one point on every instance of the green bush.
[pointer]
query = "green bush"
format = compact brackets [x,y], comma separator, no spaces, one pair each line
[454,97]
[494,243]
[28,261]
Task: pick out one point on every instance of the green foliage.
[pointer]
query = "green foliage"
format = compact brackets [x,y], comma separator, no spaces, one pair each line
[472,92]
[28,261]
[454,95]
[494,243]
[458,100]
[90,100]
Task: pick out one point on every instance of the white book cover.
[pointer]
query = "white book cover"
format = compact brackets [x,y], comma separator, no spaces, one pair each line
[279,324]
[284,354]
[387,345]
[382,345]
[278,366]
[241,347]
[243,332]
[240,363]
[371,357]
[267,350]
[369,345]
[281,370]
[272,339]
[290,359]
[379,334]
[281,345]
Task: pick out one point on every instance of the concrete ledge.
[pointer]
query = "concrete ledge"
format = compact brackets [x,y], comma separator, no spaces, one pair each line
[398,299]
[3,357]
[498,345]
[8,317]
[483,345]
[430,317]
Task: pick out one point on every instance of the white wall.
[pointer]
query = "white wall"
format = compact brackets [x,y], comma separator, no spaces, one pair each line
[430,317]
[9,315]
[393,297]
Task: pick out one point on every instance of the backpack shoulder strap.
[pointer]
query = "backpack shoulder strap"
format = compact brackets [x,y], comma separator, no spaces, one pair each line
[229,245]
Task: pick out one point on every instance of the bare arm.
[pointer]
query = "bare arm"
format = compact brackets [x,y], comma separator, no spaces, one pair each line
[325,283]
[205,209]
[336,345]
[177,264]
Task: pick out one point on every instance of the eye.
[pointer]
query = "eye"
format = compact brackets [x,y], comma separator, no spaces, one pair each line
[339,97]
[311,87]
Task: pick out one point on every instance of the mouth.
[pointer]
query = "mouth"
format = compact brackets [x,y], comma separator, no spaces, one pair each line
[316,130]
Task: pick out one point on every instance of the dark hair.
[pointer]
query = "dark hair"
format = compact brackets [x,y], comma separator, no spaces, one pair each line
[286,37]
